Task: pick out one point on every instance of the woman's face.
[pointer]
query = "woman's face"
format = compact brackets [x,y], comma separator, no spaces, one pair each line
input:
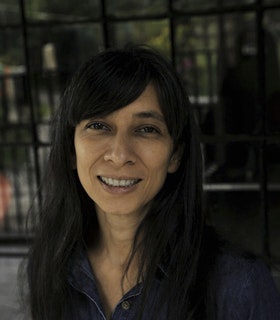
[123,158]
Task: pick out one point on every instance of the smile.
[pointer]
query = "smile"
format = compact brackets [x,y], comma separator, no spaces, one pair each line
[125,183]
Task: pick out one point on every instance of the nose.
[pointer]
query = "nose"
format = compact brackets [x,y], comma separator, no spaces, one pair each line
[120,151]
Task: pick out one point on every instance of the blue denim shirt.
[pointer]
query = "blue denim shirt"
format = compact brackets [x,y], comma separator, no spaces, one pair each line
[246,291]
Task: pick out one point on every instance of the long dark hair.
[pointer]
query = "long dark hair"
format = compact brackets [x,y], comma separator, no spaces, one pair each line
[171,233]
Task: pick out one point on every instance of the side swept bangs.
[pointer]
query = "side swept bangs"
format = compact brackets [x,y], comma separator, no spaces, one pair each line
[104,84]
[113,79]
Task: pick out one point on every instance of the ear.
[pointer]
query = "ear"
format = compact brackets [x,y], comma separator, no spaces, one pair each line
[175,160]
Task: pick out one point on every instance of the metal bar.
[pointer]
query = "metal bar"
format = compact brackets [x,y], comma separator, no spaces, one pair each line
[29,93]
[228,187]
[239,137]
[104,21]
[174,13]
[172,35]
[261,59]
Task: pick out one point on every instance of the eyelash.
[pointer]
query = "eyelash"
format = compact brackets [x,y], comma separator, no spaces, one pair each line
[142,130]
[148,130]
[97,126]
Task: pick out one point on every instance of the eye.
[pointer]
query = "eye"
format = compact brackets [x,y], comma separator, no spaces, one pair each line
[148,129]
[97,126]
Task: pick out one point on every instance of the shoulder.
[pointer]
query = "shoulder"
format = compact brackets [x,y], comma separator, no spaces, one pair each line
[245,288]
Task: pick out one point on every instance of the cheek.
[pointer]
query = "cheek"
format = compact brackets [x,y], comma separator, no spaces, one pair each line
[82,162]
[83,152]
[159,160]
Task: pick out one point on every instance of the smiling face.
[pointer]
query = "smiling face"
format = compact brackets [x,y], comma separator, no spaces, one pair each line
[122,159]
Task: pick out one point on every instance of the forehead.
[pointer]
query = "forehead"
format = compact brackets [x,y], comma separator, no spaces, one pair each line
[145,106]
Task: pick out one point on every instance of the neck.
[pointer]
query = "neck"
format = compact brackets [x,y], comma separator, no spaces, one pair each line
[115,238]
[109,256]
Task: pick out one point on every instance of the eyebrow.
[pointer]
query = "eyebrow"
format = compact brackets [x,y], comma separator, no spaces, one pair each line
[149,114]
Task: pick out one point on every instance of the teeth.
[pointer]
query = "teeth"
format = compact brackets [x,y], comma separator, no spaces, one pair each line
[118,183]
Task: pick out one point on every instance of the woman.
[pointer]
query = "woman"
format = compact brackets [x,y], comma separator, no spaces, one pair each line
[121,232]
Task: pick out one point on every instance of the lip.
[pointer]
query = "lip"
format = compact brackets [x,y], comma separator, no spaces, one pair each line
[119,189]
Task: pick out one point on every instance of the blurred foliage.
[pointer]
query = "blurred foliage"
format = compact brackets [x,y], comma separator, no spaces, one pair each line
[197,39]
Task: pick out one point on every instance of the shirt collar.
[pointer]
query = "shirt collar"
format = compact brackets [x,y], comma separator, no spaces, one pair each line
[80,272]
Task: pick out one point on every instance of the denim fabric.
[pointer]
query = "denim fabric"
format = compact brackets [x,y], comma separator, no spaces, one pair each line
[246,291]
[85,303]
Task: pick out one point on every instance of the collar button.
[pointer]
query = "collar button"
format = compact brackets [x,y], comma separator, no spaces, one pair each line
[125,305]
